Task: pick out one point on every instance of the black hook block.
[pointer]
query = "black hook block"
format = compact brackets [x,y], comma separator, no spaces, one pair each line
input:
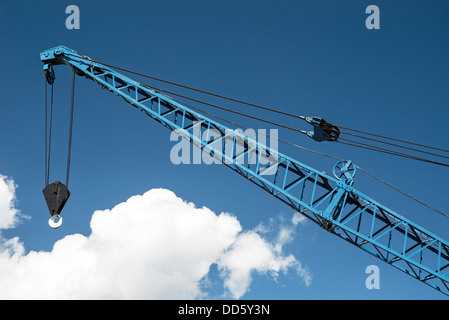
[56,195]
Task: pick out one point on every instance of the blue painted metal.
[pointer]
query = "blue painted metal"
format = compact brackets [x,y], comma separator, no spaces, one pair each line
[330,202]
[344,170]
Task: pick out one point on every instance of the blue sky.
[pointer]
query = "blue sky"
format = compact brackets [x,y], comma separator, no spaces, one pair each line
[313,58]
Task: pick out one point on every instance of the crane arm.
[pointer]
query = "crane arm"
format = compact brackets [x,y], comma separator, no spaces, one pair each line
[329,201]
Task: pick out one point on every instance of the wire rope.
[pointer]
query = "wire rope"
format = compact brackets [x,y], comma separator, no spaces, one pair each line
[392,152]
[69,149]
[48,130]
[350,142]
[328,156]
[279,112]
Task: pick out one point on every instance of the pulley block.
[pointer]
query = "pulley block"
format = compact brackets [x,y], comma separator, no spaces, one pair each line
[56,195]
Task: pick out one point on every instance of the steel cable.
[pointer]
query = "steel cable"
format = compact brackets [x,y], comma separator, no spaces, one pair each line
[354,143]
[276,111]
[69,149]
[387,151]
[357,144]
[325,155]
[48,130]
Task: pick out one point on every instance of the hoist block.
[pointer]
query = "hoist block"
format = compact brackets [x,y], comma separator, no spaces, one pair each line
[322,130]
[56,195]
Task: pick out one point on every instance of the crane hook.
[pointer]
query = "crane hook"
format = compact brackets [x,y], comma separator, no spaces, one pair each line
[55,221]
[56,195]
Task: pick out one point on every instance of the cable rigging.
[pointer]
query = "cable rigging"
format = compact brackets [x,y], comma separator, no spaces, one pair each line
[349,142]
[312,120]
[330,132]
[316,152]
[56,193]
[268,109]
[331,202]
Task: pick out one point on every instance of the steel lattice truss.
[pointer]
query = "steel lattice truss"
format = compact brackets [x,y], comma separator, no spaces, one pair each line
[331,203]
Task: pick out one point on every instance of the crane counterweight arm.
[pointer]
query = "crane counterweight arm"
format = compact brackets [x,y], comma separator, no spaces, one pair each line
[329,201]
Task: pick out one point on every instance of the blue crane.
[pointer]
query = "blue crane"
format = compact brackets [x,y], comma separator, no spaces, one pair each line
[330,201]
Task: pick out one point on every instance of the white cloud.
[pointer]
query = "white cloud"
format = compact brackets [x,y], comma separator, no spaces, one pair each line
[9,215]
[252,253]
[153,246]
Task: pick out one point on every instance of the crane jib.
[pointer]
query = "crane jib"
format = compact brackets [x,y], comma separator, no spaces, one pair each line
[329,201]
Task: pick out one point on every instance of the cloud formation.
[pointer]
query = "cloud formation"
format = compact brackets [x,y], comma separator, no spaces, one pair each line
[9,215]
[152,246]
